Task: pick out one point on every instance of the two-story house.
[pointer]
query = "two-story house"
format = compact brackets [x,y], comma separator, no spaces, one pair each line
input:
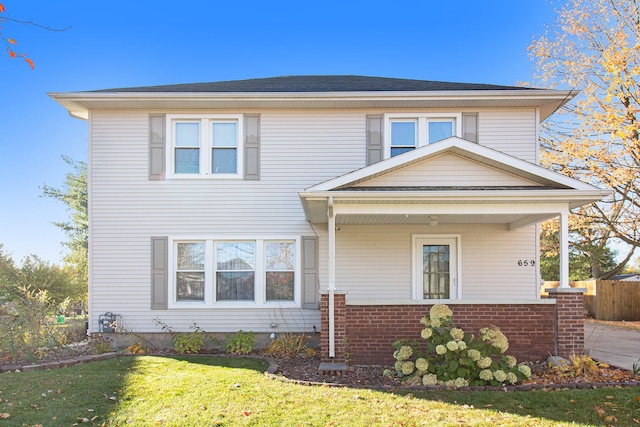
[346,205]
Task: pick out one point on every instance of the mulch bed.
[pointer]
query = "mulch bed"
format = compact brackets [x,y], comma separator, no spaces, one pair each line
[304,370]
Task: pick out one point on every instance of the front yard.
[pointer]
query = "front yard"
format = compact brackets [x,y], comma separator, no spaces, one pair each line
[209,391]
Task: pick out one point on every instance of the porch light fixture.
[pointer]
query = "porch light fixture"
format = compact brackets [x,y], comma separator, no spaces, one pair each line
[434,221]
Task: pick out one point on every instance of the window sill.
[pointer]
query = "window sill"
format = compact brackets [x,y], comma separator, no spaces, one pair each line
[233,305]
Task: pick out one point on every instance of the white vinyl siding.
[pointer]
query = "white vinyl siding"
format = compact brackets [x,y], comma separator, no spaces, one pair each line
[298,149]
[374,261]
[126,208]
[447,170]
[511,131]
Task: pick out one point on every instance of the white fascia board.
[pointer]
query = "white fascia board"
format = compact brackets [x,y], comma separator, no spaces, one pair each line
[460,196]
[458,146]
[78,103]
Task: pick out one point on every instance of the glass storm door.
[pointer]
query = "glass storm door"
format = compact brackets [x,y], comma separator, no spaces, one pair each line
[436,268]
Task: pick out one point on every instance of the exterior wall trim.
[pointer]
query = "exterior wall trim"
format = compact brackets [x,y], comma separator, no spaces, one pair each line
[358,302]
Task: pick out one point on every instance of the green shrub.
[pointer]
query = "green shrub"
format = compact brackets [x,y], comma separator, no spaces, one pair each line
[240,343]
[455,358]
[188,342]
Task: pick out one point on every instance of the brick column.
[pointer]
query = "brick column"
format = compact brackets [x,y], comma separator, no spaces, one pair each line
[569,320]
[340,325]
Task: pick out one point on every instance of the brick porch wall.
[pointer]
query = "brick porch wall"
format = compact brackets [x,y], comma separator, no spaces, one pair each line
[570,320]
[530,328]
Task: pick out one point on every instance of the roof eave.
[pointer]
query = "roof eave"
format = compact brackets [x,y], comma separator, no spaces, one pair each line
[464,196]
[79,103]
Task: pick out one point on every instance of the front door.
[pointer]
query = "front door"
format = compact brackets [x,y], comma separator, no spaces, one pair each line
[436,268]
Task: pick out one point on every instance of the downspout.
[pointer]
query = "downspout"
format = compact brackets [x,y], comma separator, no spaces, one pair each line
[332,276]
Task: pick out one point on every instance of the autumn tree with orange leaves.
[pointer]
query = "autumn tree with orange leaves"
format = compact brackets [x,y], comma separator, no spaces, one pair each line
[10,43]
[594,47]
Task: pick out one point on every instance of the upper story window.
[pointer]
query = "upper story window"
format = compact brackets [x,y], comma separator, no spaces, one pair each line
[208,146]
[406,132]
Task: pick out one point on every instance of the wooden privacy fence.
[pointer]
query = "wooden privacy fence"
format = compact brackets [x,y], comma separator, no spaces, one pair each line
[617,300]
[607,299]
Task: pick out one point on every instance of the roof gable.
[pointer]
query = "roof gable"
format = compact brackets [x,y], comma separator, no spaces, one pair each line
[447,170]
[468,154]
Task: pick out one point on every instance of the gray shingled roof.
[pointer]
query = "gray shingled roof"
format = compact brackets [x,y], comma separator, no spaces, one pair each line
[339,83]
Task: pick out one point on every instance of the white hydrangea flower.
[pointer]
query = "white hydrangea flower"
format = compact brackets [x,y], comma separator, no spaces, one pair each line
[407,368]
[440,349]
[486,375]
[452,346]
[440,312]
[422,364]
[462,345]
[511,361]
[474,354]
[512,378]
[426,321]
[484,362]
[499,375]
[426,333]
[525,370]
[461,382]
[495,337]
[430,379]
[457,334]
[398,366]
[404,353]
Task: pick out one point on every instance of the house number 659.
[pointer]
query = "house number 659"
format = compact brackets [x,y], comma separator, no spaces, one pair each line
[526,262]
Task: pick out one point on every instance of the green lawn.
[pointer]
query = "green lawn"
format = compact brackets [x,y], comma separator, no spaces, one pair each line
[209,391]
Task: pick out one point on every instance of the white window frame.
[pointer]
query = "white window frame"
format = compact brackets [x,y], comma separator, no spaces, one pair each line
[206,157]
[455,287]
[260,293]
[422,126]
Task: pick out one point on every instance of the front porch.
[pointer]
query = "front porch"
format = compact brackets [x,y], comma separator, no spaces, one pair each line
[455,223]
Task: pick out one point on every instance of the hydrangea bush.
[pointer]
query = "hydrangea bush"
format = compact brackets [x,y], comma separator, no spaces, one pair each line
[456,358]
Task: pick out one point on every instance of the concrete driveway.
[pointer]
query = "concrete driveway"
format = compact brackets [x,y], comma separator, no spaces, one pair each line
[614,346]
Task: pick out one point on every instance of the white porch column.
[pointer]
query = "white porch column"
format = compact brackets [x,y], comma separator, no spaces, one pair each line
[564,250]
[332,276]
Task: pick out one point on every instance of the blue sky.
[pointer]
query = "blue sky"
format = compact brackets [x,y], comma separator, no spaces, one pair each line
[139,43]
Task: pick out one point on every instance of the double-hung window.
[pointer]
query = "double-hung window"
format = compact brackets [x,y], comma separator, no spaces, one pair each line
[209,146]
[190,271]
[406,132]
[213,272]
[280,268]
[235,271]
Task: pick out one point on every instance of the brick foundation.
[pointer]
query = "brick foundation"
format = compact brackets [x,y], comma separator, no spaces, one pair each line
[535,331]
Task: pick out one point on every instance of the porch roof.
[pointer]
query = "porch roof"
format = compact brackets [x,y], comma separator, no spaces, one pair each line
[546,194]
